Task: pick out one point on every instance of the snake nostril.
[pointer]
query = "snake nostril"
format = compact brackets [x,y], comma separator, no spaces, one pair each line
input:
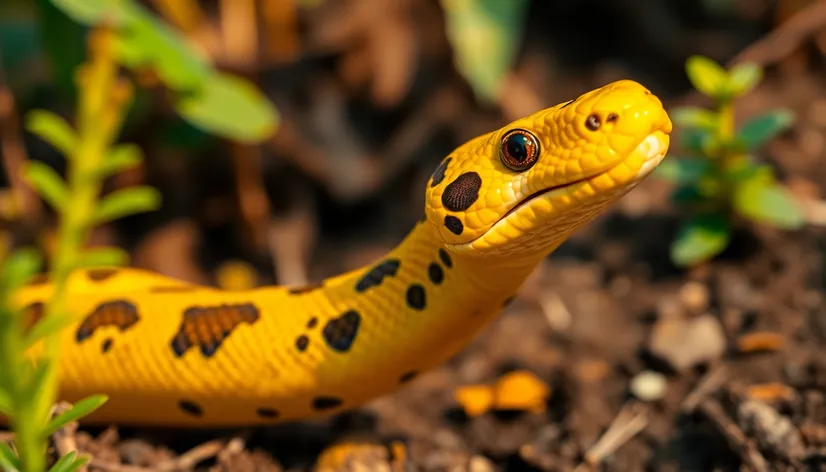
[612,117]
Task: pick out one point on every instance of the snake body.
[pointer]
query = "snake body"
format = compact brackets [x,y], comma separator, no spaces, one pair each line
[174,354]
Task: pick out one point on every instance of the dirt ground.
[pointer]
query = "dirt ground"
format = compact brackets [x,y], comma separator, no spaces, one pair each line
[647,367]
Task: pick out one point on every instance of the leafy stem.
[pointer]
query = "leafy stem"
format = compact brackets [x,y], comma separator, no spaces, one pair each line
[719,179]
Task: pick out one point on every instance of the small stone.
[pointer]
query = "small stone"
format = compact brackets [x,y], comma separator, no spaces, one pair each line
[668,307]
[694,297]
[480,464]
[686,343]
[649,386]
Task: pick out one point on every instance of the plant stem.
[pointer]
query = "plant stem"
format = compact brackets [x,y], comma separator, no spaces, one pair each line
[100,114]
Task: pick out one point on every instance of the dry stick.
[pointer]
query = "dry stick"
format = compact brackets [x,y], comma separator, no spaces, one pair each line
[734,435]
[185,461]
[64,438]
[786,37]
[14,153]
[707,385]
[625,426]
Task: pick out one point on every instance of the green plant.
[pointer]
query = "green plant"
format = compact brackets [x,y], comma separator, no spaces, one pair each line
[29,352]
[209,99]
[720,179]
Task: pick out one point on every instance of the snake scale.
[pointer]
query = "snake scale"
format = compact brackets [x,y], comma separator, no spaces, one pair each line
[170,353]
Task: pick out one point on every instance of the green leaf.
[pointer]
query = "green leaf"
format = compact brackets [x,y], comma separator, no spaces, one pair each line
[5,403]
[689,195]
[46,327]
[701,238]
[149,42]
[683,170]
[8,459]
[698,140]
[761,199]
[21,266]
[47,183]
[743,78]
[92,12]
[78,463]
[121,157]
[42,388]
[53,129]
[103,256]
[126,202]
[70,462]
[143,40]
[231,107]
[760,129]
[64,464]
[695,117]
[485,36]
[707,76]
[77,411]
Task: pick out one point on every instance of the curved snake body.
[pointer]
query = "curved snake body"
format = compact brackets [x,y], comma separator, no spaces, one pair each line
[170,353]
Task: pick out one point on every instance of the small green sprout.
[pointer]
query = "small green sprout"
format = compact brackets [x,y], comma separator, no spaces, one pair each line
[29,354]
[720,179]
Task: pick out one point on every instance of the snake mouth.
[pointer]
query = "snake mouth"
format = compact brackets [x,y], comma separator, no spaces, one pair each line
[544,191]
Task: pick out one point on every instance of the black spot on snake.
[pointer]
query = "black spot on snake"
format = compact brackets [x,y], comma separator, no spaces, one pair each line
[118,313]
[190,407]
[439,173]
[100,274]
[106,345]
[206,327]
[326,403]
[305,289]
[408,376]
[340,332]
[435,273]
[267,413]
[460,194]
[445,257]
[415,296]
[302,342]
[312,323]
[454,224]
[39,279]
[375,276]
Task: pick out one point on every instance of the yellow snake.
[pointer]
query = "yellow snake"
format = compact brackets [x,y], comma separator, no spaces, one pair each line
[174,354]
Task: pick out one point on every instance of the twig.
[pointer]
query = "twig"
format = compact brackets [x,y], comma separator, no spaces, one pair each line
[707,385]
[26,201]
[625,426]
[734,435]
[185,461]
[64,438]
[786,37]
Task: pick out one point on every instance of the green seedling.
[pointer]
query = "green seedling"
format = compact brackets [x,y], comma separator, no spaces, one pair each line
[29,350]
[719,179]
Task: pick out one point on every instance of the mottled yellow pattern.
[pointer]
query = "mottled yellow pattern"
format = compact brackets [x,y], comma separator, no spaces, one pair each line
[197,356]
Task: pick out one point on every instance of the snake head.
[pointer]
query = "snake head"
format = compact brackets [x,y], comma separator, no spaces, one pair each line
[522,189]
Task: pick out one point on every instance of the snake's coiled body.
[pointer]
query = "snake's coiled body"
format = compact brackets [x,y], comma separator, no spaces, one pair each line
[168,353]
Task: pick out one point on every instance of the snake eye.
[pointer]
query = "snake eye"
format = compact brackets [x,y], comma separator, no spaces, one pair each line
[592,122]
[519,150]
